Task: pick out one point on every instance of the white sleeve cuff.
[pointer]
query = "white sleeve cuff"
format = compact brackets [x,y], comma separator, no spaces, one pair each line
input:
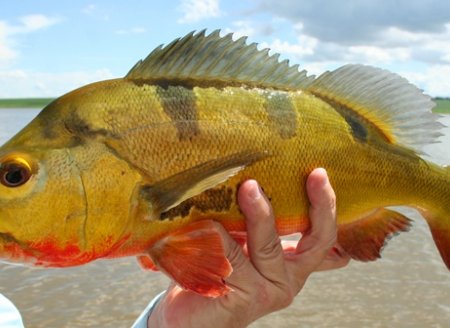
[9,315]
[141,321]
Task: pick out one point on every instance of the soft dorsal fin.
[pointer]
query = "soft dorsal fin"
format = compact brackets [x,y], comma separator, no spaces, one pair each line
[388,104]
[199,59]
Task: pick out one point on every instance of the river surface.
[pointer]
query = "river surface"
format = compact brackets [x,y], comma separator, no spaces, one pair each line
[408,287]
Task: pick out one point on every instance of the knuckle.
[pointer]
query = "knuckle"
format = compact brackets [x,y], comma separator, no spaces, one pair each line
[285,298]
[326,244]
[271,249]
[275,296]
[282,298]
[236,257]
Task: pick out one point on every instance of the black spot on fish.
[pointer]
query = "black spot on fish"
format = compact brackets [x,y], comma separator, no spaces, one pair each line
[80,128]
[217,200]
[179,104]
[357,127]
[359,131]
[182,210]
[48,131]
[236,194]
[281,113]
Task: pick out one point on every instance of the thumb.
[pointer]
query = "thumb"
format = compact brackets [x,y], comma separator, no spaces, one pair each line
[243,270]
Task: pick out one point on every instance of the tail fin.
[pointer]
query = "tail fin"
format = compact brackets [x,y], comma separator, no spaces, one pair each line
[439,222]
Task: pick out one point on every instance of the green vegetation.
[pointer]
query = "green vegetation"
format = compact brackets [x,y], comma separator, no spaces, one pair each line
[25,102]
[442,104]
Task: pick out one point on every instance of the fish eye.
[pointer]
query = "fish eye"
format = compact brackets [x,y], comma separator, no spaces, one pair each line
[15,172]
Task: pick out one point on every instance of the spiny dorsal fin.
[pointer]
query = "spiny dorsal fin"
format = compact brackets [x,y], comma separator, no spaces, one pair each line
[388,103]
[201,58]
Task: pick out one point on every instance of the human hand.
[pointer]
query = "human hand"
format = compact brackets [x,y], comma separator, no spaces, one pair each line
[268,278]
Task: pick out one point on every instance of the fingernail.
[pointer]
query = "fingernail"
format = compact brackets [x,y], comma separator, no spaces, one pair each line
[255,192]
[325,173]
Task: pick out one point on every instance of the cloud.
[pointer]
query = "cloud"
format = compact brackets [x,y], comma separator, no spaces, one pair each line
[27,24]
[410,37]
[20,83]
[365,31]
[434,79]
[304,47]
[7,52]
[89,9]
[360,21]
[133,30]
[241,28]
[421,53]
[196,10]
[33,23]
[370,27]
[93,11]
[249,28]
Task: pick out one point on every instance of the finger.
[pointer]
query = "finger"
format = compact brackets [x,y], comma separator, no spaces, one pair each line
[242,276]
[322,210]
[263,243]
[316,243]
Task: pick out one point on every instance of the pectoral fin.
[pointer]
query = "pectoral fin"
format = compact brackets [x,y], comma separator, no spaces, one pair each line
[172,191]
[364,239]
[194,257]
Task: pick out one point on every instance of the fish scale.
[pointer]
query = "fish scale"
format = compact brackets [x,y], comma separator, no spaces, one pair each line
[143,165]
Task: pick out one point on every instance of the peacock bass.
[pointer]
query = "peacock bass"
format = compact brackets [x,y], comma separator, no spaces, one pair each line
[142,165]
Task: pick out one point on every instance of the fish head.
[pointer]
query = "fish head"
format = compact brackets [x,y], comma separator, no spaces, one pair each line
[64,197]
[42,206]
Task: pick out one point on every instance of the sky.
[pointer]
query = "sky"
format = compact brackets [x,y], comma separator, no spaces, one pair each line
[48,48]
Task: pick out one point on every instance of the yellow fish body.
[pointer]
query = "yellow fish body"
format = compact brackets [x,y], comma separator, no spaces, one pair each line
[141,165]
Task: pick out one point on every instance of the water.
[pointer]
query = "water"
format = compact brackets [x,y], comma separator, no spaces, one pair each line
[408,287]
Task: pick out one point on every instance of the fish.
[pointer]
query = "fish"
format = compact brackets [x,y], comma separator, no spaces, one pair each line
[145,165]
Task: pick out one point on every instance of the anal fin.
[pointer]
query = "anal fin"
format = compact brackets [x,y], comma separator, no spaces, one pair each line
[364,239]
[146,263]
[194,257]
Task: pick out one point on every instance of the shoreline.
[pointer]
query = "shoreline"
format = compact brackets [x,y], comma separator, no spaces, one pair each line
[25,102]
